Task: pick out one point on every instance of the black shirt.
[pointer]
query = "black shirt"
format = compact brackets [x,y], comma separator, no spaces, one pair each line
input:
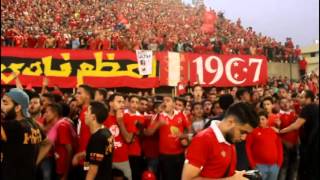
[20,149]
[311,127]
[99,152]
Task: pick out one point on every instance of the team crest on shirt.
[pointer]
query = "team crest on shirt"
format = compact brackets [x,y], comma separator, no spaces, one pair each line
[179,121]
[223,154]
[114,129]
[259,133]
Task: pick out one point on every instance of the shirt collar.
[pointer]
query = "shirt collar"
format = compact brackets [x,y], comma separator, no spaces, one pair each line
[175,112]
[218,133]
[284,112]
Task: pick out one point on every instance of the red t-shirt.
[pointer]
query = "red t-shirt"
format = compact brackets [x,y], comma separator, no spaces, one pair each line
[121,150]
[272,119]
[130,121]
[212,154]
[93,44]
[288,118]
[18,41]
[169,141]
[41,41]
[105,44]
[31,42]
[150,144]
[84,134]
[264,146]
[66,134]
[303,64]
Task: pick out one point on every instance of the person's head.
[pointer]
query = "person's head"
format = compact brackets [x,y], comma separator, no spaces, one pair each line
[180,104]
[306,97]
[243,95]
[263,119]
[225,101]
[116,102]
[168,104]
[14,105]
[143,105]
[283,92]
[216,109]
[97,113]
[260,91]
[133,103]
[207,105]
[34,105]
[52,112]
[47,99]
[267,104]
[197,92]
[239,120]
[284,104]
[197,110]
[212,97]
[84,95]
[100,95]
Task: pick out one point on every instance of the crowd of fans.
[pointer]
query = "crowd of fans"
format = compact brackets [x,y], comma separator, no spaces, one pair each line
[145,145]
[166,25]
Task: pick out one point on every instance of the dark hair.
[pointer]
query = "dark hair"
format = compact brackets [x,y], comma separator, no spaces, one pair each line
[225,101]
[195,104]
[32,94]
[244,113]
[88,90]
[99,110]
[197,85]
[263,113]
[56,108]
[57,98]
[309,94]
[143,99]
[181,99]
[267,99]
[65,109]
[103,92]
[240,92]
[113,96]
[133,96]
[49,96]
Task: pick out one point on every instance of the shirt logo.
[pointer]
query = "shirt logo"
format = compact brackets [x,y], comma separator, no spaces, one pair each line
[223,154]
[259,133]
[114,129]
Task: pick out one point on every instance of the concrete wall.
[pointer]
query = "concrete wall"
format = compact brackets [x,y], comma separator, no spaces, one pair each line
[283,69]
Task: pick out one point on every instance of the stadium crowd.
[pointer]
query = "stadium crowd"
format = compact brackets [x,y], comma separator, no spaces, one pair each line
[166,25]
[145,136]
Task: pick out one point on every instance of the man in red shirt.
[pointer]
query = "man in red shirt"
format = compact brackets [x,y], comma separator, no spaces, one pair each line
[84,96]
[211,153]
[290,142]
[302,67]
[134,122]
[171,125]
[115,123]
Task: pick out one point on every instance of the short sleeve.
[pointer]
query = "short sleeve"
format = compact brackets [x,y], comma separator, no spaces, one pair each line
[12,131]
[197,152]
[96,149]
[63,134]
[304,113]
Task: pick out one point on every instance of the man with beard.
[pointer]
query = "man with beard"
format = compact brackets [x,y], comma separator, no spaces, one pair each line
[24,145]
[35,107]
[84,95]
[308,120]
[211,153]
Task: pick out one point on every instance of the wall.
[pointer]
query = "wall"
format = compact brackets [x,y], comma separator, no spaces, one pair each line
[283,69]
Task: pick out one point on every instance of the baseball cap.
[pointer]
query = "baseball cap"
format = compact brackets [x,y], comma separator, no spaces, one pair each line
[21,98]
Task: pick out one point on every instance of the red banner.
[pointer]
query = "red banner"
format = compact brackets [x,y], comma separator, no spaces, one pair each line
[227,70]
[70,68]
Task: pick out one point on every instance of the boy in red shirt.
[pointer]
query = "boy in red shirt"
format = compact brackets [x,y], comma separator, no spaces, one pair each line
[134,123]
[116,124]
[171,125]
[273,119]
[290,142]
[264,149]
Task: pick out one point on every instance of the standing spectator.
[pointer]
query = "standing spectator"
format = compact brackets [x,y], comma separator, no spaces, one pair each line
[101,95]
[198,121]
[197,93]
[24,144]
[290,142]
[171,124]
[211,153]
[308,120]
[35,107]
[114,122]
[273,119]
[84,96]
[100,146]
[265,139]
[302,67]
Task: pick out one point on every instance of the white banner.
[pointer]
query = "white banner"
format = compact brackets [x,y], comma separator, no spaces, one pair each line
[145,62]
